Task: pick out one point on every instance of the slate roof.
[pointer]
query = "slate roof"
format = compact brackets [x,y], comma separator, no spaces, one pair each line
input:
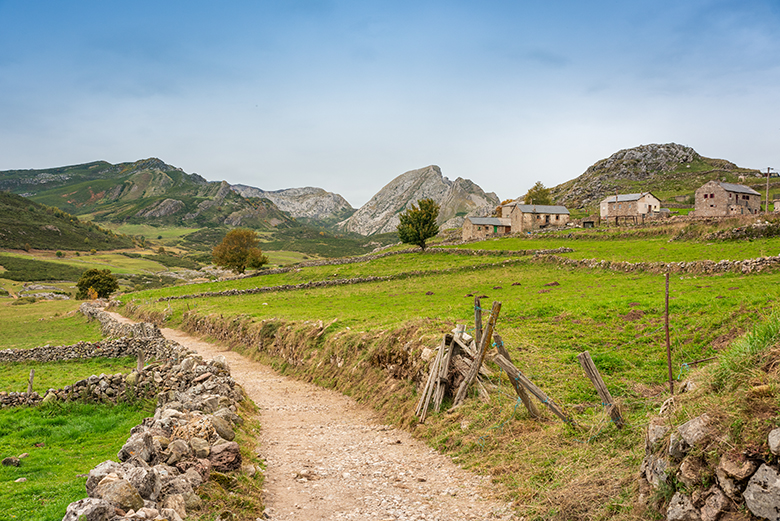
[739,189]
[623,198]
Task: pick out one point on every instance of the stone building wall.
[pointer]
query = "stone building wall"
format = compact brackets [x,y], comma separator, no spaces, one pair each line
[720,202]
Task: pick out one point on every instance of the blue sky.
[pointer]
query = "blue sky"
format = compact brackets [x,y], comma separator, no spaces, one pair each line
[346,95]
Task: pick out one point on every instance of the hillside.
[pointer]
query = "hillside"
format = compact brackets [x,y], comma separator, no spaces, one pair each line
[309,204]
[144,192]
[457,198]
[26,224]
[668,170]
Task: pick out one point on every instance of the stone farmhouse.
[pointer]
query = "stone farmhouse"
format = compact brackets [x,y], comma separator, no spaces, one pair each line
[718,199]
[483,227]
[530,217]
[643,205]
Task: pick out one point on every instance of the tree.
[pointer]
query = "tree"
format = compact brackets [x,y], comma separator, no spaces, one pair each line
[238,251]
[100,283]
[538,194]
[418,224]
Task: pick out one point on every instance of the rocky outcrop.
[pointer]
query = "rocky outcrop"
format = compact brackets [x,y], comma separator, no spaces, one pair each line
[632,164]
[380,214]
[308,202]
[162,209]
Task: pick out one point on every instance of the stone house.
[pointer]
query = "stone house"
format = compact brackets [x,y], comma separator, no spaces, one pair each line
[718,199]
[643,204]
[530,217]
[483,227]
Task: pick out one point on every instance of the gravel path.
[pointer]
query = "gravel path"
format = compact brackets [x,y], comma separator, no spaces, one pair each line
[328,458]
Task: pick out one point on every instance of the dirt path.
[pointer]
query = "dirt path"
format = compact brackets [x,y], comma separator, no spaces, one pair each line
[328,458]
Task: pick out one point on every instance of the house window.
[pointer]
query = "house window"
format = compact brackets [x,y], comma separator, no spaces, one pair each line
[707,196]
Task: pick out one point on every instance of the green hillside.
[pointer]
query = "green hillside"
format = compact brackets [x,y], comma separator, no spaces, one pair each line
[25,224]
[143,192]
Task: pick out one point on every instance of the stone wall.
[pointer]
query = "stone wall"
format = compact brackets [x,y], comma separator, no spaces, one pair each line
[361,280]
[695,267]
[187,441]
[674,461]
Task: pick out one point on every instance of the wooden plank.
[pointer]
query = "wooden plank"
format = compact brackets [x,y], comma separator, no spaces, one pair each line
[606,398]
[139,363]
[430,386]
[30,381]
[426,388]
[444,370]
[485,339]
[515,374]
[477,320]
[519,389]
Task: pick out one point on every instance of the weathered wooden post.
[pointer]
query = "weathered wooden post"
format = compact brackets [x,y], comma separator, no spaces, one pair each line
[606,398]
[139,366]
[477,320]
[515,375]
[668,344]
[519,389]
[483,344]
[30,381]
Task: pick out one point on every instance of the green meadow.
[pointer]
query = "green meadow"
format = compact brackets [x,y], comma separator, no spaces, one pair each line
[64,442]
[55,322]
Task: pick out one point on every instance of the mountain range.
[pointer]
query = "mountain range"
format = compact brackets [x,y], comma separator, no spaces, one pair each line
[153,192]
[150,191]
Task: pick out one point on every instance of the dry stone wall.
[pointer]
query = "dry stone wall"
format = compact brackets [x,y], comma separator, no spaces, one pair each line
[361,280]
[168,456]
[675,462]
[694,267]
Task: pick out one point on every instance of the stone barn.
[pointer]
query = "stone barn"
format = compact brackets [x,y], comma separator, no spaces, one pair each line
[633,206]
[484,227]
[530,217]
[718,199]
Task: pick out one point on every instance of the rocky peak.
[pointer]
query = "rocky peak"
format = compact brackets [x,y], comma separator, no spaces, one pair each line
[380,214]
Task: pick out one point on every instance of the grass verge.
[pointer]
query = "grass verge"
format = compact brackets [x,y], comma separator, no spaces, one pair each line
[64,441]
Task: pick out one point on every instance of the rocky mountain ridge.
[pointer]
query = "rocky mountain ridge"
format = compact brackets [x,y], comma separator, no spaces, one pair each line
[457,199]
[310,203]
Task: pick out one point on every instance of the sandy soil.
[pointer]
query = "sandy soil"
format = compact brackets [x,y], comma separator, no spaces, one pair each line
[329,458]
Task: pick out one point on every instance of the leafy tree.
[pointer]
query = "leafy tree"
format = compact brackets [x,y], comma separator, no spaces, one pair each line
[538,194]
[418,224]
[238,251]
[96,283]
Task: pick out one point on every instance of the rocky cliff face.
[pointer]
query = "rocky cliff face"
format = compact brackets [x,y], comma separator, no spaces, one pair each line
[644,168]
[457,198]
[308,202]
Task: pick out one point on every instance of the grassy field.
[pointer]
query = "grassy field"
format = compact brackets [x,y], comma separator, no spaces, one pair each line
[45,322]
[549,315]
[73,438]
[13,376]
